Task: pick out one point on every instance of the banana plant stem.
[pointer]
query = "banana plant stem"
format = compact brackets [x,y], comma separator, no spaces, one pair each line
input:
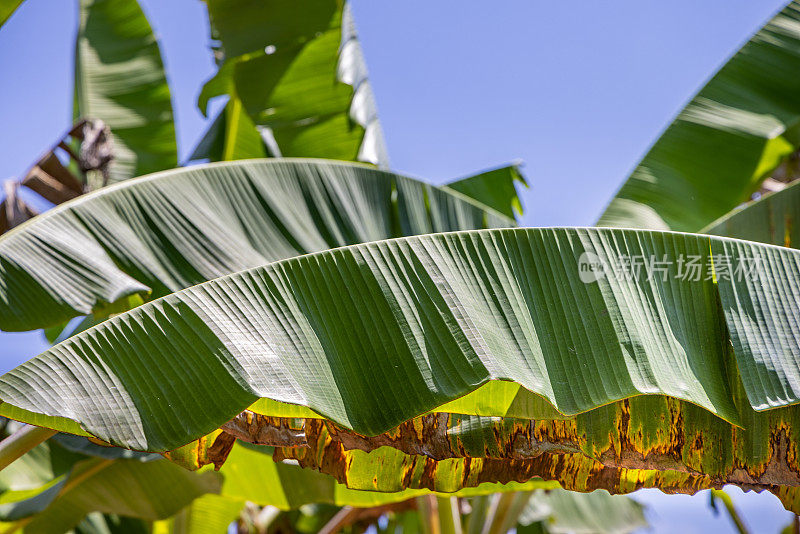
[21,442]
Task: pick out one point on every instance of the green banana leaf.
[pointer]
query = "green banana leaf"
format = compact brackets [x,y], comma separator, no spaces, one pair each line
[37,467]
[97,523]
[120,79]
[302,80]
[54,459]
[563,512]
[194,501]
[372,335]
[209,514]
[231,135]
[725,142]
[496,188]
[158,234]
[774,219]
[148,490]
[7,9]
[556,510]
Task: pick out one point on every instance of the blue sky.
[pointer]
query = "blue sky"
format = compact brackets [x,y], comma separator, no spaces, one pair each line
[577,90]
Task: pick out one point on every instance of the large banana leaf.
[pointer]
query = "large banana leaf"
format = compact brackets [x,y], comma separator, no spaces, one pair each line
[730,137]
[119,78]
[34,469]
[246,472]
[775,219]
[58,482]
[161,233]
[372,335]
[301,80]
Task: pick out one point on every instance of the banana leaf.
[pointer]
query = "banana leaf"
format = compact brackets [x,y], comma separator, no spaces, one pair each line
[301,80]
[496,188]
[129,487]
[371,335]
[230,136]
[732,135]
[138,486]
[774,219]
[120,79]
[563,512]
[157,234]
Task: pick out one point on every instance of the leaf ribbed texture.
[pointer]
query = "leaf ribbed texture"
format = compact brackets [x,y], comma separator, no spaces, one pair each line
[372,335]
[161,233]
[729,138]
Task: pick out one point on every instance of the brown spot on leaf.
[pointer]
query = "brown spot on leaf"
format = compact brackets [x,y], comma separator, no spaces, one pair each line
[436,436]
[262,430]
[220,449]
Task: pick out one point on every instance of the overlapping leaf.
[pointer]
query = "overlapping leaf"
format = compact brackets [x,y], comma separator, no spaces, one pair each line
[496,188]
[402,327]
[593,449]
[230,136]
[372,335]
[774,219]
[119,78]
[640,444]
[131,487]
[730,137]
[79,484]
[377,470]
[301,80]
[83,484]
[161,233]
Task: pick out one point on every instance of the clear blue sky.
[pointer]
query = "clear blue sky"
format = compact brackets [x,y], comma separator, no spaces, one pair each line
[577,90]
